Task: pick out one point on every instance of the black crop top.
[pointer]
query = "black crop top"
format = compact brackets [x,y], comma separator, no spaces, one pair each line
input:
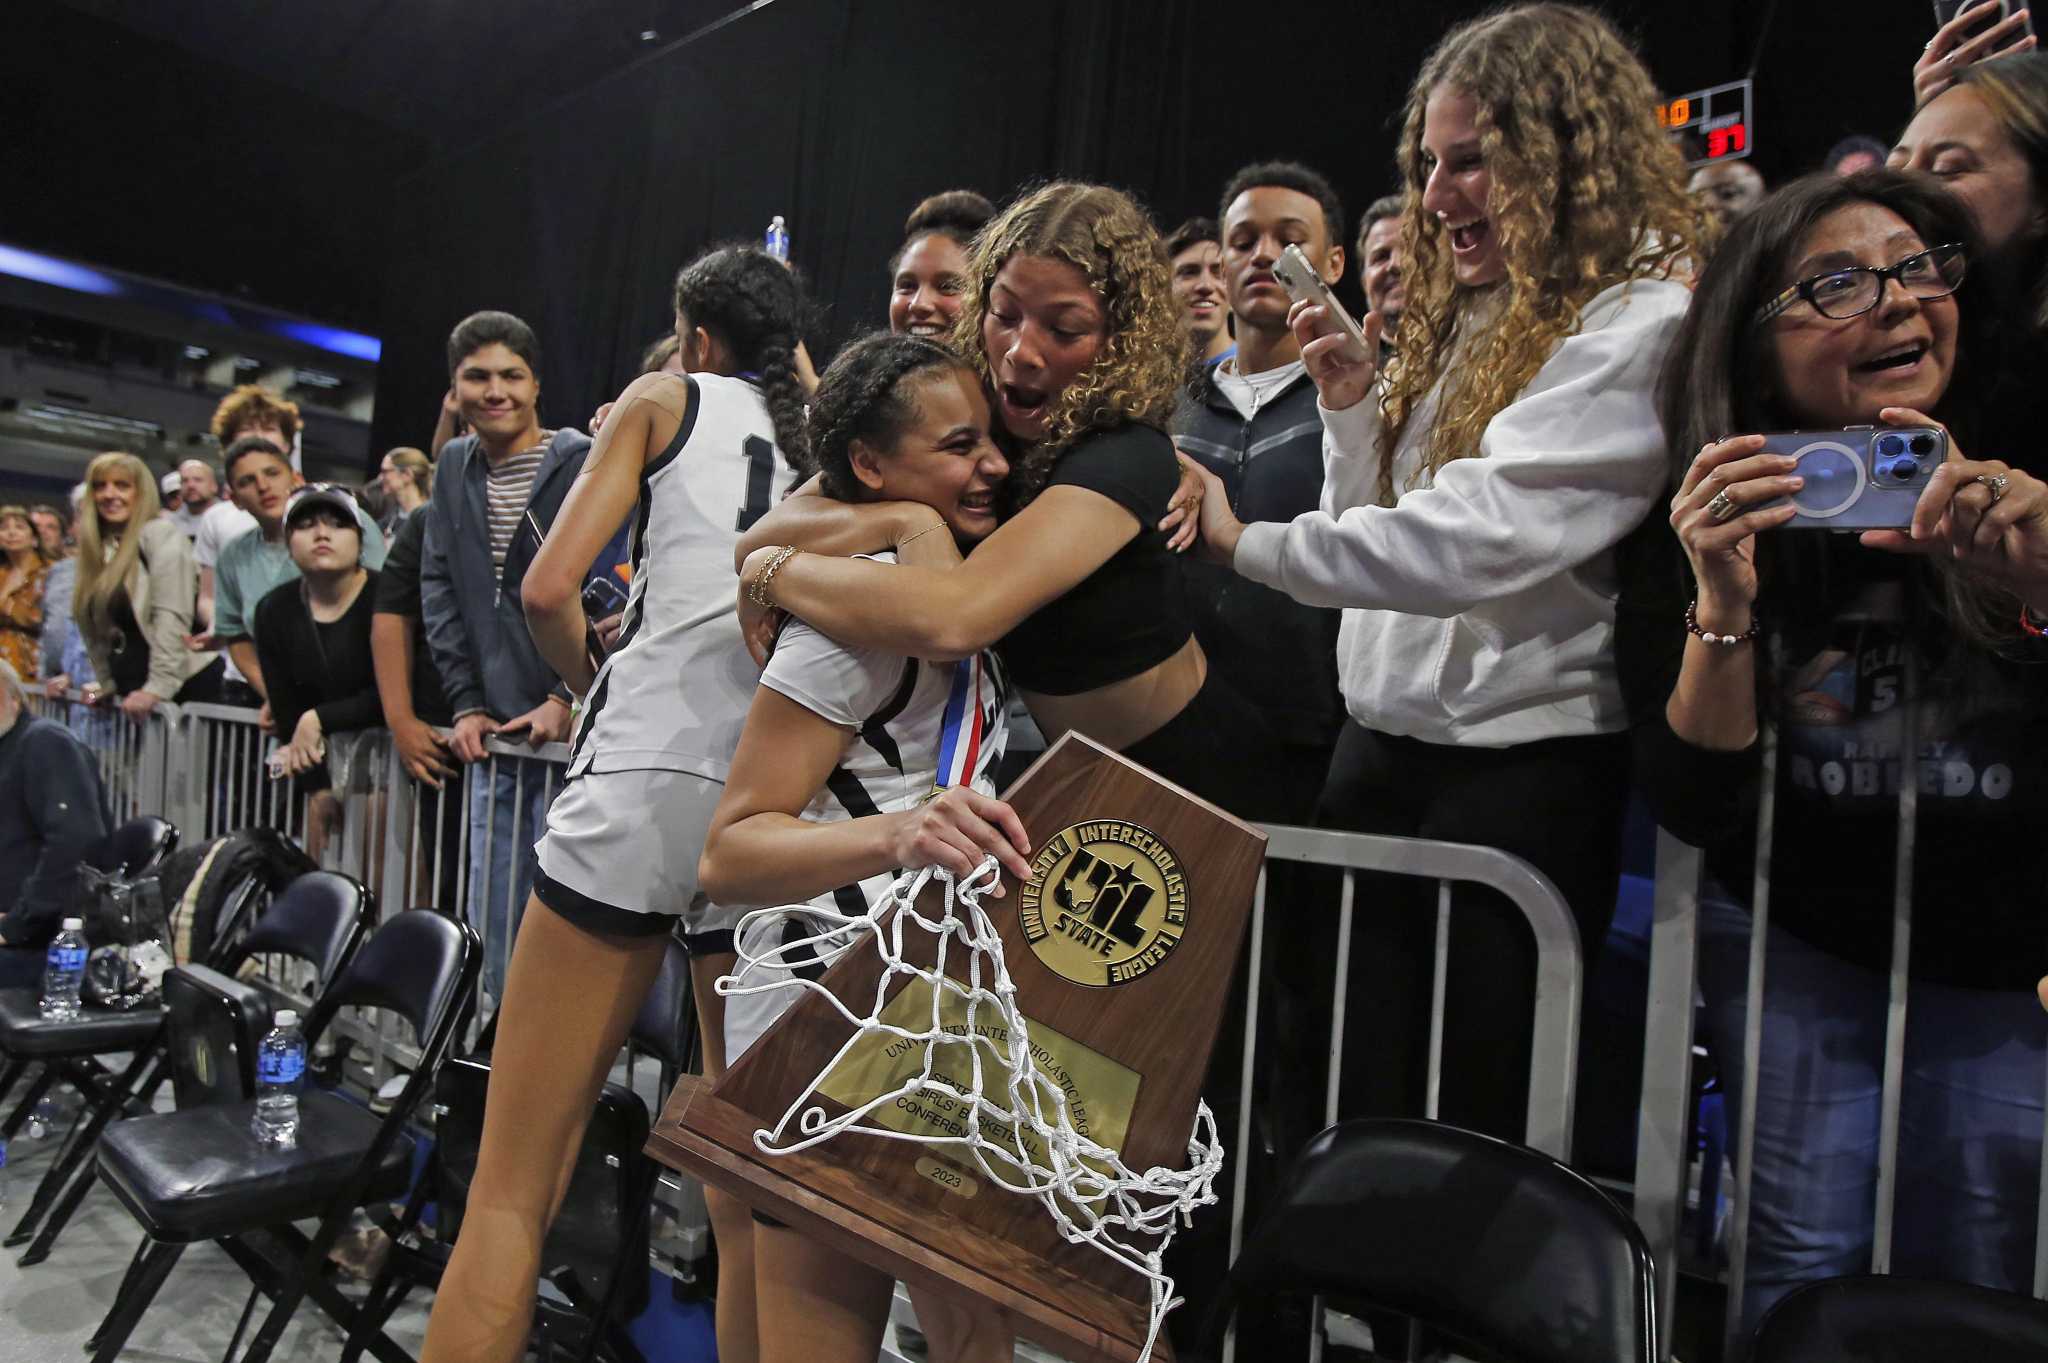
[1128,615]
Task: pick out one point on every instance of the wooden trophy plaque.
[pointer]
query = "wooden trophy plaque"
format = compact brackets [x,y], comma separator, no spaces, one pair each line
[1121,948]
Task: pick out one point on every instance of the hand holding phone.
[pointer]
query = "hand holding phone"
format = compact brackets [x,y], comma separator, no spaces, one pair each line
[1304,285]
[1968,31]
[602,599]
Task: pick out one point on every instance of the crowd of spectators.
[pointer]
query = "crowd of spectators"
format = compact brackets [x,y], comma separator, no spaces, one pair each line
[1524,561]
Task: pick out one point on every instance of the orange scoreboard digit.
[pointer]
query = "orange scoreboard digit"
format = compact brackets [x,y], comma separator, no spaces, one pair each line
[1709,125]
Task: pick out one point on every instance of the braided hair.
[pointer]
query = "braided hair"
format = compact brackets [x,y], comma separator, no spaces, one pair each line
[862,396]
[756,305]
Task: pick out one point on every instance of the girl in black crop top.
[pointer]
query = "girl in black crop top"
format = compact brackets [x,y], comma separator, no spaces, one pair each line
[1070,322]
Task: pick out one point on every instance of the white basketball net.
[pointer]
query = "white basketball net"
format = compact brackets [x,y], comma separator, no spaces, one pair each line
[1091,1194]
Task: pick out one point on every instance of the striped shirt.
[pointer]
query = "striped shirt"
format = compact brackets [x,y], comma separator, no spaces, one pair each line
[508,486]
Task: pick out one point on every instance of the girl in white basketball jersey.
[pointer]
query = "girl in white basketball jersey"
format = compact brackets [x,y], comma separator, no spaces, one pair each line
[855,763]
[702,453]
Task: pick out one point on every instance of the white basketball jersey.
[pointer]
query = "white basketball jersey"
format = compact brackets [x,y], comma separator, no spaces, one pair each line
[673,695]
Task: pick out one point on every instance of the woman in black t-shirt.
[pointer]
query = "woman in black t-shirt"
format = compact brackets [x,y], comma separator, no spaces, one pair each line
[313,639]
[1070,321]
[1840,304]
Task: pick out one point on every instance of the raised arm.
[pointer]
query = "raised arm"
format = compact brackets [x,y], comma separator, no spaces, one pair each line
[1562,474]
[819,524]
[1038,556]
[644,419]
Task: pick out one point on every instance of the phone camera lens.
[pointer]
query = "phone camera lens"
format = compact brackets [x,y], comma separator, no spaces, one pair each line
[1923,445]
[1890,444]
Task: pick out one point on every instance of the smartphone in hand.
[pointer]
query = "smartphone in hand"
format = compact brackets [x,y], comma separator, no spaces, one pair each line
[1860,479]
[1302,282]
[602,598]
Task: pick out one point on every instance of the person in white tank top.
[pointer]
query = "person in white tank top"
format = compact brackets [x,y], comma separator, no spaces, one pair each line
[701,455]
[857,763]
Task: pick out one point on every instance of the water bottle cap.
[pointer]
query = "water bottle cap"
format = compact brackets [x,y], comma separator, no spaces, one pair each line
[74,925]
[777,222]
[287,1018]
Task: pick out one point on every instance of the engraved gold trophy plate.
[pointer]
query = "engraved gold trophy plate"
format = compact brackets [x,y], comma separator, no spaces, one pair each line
[1121,948]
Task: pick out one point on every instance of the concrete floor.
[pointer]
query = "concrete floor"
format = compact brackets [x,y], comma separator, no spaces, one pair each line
[47,1312]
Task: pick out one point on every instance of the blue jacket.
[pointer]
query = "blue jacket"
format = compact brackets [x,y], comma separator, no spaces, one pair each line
[53,815]
[474,623]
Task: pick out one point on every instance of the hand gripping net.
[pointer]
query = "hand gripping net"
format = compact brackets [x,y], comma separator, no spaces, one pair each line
[1090,1193]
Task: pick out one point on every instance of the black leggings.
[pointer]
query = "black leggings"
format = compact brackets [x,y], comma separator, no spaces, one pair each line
[1220,748]
[1558,805]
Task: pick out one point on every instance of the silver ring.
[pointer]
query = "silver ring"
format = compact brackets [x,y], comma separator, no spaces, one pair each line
[1722,507]
[1997,482]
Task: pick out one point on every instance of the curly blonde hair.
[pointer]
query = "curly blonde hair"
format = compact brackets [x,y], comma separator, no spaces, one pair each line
[1105,235]
[1587,192]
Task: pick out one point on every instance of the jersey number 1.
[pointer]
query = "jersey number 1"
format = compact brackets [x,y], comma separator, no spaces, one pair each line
[760,482]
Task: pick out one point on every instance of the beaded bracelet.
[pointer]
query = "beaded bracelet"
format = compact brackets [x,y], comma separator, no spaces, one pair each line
[757,590]
[1692,627]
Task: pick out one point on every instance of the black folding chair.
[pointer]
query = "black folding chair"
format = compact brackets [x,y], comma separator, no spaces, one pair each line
[70,1051]
[1490,1243]
[320,919]
[595,1254]
[201,1174]
[134,849]
[594,1242]
[1901,1320]
[138,847]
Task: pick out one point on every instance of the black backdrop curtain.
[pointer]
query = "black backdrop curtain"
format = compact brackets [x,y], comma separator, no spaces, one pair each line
[841,114]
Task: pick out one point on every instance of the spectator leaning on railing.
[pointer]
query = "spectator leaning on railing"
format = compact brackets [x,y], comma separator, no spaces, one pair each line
[1838,304]
[134,597]
[53,814]
[497,492]
[313,638]
[258,561]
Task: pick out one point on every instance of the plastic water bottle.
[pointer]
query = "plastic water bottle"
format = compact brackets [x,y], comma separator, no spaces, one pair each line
[280,1069]
[64,972]
[776,240]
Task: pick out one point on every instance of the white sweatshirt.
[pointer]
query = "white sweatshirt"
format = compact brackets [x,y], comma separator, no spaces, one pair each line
[1479,610]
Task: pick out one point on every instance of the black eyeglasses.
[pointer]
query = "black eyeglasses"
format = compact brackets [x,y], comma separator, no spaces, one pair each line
[1842,294]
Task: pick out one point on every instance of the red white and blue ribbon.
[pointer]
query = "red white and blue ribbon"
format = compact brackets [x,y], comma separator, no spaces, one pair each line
[960,740]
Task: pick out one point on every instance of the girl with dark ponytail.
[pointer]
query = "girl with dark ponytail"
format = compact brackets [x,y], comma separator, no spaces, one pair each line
[748,309]
[831,790]
[703,454]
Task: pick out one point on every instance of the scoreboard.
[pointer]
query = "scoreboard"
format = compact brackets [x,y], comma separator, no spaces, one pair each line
[1709,125]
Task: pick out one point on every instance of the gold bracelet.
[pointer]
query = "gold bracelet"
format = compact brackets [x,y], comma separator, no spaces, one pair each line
[757,591]
[920,534]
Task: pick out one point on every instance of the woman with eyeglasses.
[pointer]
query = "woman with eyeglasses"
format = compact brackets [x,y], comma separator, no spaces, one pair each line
[1887,660]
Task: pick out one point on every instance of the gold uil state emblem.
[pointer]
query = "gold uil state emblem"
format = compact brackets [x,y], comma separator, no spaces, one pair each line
[1106,902]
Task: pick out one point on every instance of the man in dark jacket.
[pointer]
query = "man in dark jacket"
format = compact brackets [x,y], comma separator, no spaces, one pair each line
[496,492]
[53,815]
[1252,421]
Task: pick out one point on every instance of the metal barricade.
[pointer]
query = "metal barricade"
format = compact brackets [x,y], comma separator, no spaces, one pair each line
[1665,1133]
[1560,974]
[136,756]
